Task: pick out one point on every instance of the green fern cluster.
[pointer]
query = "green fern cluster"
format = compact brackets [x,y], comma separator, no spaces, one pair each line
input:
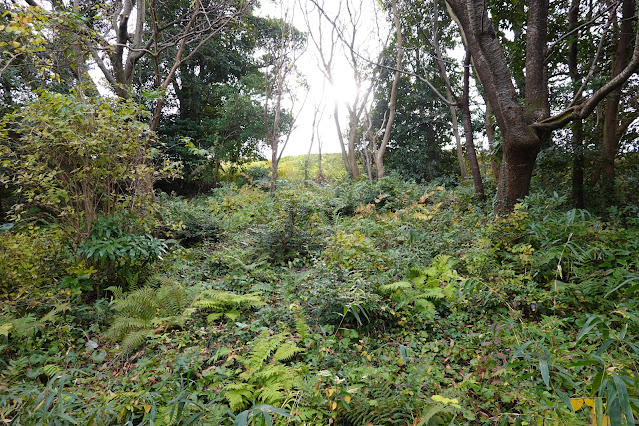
[226,304]
[379,404]
[146,308]
[265,377]
[426,287]
[28,325]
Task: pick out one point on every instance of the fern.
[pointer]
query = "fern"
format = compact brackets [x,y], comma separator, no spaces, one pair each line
[238,395]
[425,288]
[148,307]
[300,323]
[399,285]
[379,404]
[263,348]
[268,382]
[286,351]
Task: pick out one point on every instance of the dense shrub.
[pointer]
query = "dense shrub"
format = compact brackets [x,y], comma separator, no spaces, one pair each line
[81,157]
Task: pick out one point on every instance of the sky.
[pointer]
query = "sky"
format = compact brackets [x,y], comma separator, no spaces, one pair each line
[321,95]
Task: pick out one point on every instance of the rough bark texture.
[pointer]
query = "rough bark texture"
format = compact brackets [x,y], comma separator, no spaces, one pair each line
[525,128]
[611,118]
[520,143]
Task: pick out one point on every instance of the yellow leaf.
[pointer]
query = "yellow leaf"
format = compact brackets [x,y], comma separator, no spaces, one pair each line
[147,408]
[334,406]
[347,399]
[330,392]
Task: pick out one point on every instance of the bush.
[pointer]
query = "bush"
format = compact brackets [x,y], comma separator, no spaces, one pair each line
[189,221]
[80,157]
[31,262]
[123,256]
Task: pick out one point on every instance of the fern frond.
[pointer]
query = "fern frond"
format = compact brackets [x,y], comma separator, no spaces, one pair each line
[141,303]
[263,348]
[272,394]
[396,286]
[286,351]
[118,292]
[300,322]
[134,340]
[433,293]
[238,395]
[124,325]
[26,326]
[52,316]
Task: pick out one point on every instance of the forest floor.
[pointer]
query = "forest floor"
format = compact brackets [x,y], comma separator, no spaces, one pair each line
[335,303]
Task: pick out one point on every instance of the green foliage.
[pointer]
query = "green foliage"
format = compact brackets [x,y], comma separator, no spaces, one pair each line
[269,382]
[31,261]
[79,158]
[426,288]
[142,312]
[191,222]
[225,304]
[520,340]
[353,252]
[123,256]
[338,297]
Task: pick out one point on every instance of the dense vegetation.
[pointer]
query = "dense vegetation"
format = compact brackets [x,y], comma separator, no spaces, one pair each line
[336,303]
[155,270]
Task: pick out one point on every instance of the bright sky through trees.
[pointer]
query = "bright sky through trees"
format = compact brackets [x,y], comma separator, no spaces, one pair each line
[372,33]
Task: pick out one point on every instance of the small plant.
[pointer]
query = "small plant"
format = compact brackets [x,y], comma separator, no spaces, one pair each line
[124,256]
[222,304]
[267,381]
[143,311]
[426,288]
[353,252]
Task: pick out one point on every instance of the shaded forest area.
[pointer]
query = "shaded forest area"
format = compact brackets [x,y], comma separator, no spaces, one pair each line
[155,268]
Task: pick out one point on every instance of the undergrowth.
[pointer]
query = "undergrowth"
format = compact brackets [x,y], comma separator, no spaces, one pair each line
[349,304]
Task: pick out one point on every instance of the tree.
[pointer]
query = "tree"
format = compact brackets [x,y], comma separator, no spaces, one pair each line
[217,96]
[280,59]
[525,127]
[345,27]
[78,157]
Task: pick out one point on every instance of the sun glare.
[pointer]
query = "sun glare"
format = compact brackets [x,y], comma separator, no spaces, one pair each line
[343,91]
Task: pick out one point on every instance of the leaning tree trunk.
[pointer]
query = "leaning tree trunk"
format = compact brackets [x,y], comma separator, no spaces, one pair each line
[464,105]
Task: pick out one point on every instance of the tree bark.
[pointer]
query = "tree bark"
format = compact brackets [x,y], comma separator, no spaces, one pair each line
[464,105]
[577,125]
[611,118]
[379,152]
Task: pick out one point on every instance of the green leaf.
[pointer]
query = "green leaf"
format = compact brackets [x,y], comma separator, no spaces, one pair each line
[545,374]
[592,322]
[622,393]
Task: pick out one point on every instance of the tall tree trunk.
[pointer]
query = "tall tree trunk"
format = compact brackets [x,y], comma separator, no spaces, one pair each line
[521,144]
[490,135]
[379,152]
[611,118]
[577,125]
[464,104]
[340,137]
[449,91]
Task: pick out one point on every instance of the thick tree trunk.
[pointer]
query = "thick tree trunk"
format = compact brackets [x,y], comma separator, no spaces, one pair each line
[611,118]
[521,143]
